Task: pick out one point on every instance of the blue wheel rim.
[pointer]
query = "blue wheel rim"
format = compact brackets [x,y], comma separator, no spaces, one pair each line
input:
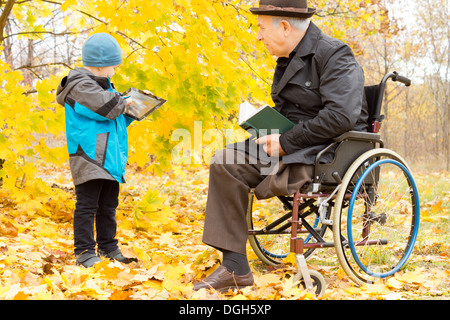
[416,221]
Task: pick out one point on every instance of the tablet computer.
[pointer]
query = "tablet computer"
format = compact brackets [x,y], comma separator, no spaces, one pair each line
[143,104]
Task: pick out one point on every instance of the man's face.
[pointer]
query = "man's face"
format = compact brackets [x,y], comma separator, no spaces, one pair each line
[273,38]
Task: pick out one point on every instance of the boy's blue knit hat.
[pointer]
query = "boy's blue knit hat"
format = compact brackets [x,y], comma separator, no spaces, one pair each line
[101,50]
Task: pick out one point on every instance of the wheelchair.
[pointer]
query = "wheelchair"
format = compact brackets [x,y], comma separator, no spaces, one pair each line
[366,197]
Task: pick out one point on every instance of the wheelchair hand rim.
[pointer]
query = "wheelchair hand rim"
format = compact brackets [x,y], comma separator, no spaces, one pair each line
[416,222]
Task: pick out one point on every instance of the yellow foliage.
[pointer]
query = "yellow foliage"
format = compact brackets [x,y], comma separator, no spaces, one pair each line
[205,60]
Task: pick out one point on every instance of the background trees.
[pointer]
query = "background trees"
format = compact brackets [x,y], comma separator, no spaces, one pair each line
[203,57]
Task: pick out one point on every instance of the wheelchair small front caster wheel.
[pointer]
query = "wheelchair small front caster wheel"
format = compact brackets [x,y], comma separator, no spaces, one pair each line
[318,282]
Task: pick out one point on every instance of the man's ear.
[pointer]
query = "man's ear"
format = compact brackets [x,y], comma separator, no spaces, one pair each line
[286,27]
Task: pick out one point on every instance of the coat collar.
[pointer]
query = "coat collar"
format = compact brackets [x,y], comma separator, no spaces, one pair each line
[308,44]
[305,47]
[104,82]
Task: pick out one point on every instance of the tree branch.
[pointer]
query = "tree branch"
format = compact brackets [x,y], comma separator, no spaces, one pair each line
[4,17]
[29,67]
[41,32]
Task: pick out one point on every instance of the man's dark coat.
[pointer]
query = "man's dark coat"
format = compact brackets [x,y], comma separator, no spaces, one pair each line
[320,88]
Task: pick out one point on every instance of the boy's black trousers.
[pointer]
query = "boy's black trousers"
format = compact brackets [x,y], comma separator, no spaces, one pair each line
[97,201]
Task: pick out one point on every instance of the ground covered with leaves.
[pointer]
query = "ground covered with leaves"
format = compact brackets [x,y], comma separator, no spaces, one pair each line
[160,222]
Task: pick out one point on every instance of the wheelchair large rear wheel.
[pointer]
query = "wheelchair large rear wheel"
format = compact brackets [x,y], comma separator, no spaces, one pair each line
[271,226]
[376,217]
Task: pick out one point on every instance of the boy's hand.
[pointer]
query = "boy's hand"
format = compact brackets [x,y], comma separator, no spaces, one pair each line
[271,145]
[129,101]
[146,92]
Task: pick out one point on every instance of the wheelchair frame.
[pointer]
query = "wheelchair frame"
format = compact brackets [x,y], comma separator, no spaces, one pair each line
[334,185]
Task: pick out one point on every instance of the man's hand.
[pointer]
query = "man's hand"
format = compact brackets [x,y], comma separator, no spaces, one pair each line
[271,145]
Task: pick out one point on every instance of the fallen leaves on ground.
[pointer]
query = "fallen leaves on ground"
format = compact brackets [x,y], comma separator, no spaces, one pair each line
[160,222]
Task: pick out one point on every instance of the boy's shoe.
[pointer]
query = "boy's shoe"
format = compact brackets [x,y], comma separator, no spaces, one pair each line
[87,260]
[116,255]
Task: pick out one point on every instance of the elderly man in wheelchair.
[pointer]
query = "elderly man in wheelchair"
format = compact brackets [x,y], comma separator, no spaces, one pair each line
[332,160]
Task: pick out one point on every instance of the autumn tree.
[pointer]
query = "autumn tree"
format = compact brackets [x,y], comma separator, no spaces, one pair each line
[435,33]
[204,59]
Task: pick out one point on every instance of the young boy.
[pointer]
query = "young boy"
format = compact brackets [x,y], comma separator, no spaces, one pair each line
[97,141]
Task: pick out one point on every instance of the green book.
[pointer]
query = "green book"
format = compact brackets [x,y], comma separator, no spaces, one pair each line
[264,120]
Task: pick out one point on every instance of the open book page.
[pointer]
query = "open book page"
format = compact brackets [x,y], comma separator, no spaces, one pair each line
[246,110]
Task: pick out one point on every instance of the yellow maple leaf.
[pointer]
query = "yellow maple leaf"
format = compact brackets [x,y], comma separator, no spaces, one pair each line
[377,290]
[155,284]
[394,283]
[239,297]
[290,259]
[267,279]
[417,276]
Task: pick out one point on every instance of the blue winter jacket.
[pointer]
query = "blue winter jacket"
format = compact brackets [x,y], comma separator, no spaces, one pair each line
[96,128]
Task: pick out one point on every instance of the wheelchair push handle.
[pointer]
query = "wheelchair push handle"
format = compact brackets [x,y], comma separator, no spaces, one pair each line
[395,77]
[382,86]
[402,79]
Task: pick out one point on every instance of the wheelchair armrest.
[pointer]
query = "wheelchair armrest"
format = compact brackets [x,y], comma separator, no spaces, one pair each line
[359,136]
[351,143]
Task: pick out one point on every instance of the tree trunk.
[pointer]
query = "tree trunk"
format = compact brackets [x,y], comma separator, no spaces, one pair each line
[4,17]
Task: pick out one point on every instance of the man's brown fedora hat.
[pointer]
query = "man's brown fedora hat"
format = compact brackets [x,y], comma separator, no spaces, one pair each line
[284,8]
